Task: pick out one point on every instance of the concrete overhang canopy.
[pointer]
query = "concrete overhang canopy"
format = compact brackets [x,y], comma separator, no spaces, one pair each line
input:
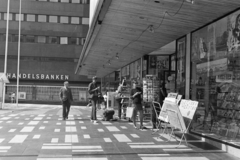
[130,29]
[4,78]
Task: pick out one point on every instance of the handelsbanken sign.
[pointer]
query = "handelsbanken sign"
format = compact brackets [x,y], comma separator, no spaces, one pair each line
[32,76]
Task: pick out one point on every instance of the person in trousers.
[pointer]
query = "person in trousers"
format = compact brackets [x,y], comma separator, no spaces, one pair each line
[136,95]
[119,99]
[66,99]
[93,90]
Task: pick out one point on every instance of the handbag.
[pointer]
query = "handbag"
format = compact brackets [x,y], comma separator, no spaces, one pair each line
[129,112]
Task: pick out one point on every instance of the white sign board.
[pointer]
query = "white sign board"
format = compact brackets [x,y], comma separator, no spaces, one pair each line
[22,95]
[188,108]
[169,103]
[111,99]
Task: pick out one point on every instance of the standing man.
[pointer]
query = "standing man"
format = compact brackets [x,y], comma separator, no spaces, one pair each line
[66,98]
[93,90]
[136,95]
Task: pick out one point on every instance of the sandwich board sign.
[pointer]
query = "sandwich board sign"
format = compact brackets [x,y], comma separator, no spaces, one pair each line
[188,108]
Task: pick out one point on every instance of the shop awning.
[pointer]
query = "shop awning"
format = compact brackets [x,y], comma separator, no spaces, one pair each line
[4,78]
[129,29]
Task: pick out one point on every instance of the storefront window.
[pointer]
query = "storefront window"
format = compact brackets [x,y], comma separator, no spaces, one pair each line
[215,79]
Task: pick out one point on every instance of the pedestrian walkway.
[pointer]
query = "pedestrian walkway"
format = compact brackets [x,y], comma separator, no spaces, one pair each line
[37,132]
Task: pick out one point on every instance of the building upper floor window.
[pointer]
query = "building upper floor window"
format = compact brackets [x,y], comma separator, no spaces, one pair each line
[75,20]
[53,19]
[67,1]
[42,18]
[74,41]
[46,18]
[85,20]
[64,19]
[41,39]
[30,39]
[75,1]
[10,16]
[31,18]
[9,37]
[15,38]
[63,40]
[64,1]
[21,17]
[84,1]
[53,40]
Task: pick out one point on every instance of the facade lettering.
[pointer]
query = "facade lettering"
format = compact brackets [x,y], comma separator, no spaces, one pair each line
[66,77]
[52,76]
[38,76]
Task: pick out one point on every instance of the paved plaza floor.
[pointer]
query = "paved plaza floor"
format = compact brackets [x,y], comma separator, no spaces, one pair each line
[37,132]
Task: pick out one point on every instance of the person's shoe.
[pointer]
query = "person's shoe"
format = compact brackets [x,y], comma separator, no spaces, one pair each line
[135,127]
[66,117]
[91,120]
[95,121]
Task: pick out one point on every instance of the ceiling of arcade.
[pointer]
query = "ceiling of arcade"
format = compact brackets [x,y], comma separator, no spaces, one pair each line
[130,29]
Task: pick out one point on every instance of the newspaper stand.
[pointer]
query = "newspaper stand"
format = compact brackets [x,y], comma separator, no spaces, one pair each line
[169,103]
[174,115]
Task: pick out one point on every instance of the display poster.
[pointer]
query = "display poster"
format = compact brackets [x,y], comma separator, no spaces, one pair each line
[173,62]
[117,75]
[181,66]
[162,62]
[123,71]
[152,62]
[218,40]
[127,70]
[188,108]
[138,69]
[132,70]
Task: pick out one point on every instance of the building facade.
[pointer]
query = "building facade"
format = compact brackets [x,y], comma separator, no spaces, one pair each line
[52,36]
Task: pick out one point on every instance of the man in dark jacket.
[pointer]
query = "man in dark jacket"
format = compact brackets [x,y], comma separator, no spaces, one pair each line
[93,90]
[66,98]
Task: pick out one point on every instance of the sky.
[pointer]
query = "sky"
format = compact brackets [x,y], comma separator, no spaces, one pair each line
[93,4]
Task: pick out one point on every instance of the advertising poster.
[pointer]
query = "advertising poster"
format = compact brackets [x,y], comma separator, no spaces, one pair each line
[199,45]
[233,29]
[181,66]
[221,38]
[138,69]
[132,70]
[152,62]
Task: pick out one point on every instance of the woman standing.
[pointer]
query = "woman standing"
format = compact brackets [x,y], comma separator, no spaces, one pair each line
[136,95]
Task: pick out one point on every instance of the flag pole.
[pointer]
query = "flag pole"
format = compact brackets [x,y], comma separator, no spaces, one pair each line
[19,47]
[6,52]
